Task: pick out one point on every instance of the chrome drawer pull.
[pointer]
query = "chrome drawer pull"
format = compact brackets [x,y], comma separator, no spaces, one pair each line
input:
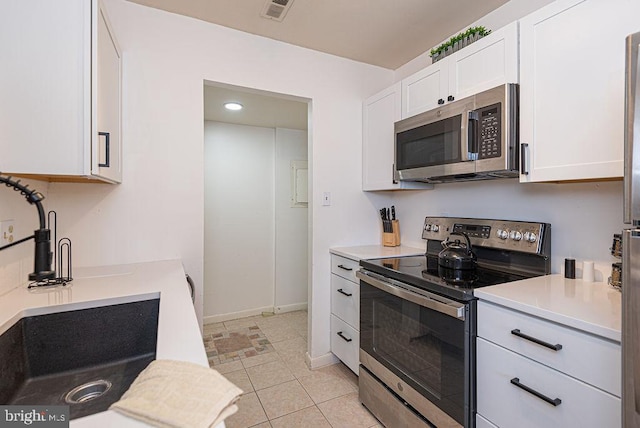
[346,339]
[345,268]
[341,291]
[556,347]
[553,401]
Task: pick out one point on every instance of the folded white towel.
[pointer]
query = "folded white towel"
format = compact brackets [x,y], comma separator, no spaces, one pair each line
[179,394]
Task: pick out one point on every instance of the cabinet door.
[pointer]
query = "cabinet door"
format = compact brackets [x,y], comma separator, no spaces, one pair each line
[345,343]
[572,88]
[379,114]
[45,86]
[106,160]
[503,375]
[422,91]
[485,64]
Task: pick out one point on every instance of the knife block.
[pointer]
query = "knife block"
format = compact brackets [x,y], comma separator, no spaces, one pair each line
[392,239]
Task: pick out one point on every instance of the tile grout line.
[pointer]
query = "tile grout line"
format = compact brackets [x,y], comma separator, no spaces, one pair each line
[340,374]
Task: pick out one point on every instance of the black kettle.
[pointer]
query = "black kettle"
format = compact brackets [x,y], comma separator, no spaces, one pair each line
[457,255]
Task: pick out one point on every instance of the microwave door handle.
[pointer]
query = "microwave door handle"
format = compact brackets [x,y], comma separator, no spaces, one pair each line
[472,136]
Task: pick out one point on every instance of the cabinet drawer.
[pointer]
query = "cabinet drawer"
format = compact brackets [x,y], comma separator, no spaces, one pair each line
[589,358]
[344,267]
[345,300]
[345,343]
[507,405]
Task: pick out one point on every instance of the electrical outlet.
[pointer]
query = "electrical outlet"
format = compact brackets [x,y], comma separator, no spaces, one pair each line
[6,232]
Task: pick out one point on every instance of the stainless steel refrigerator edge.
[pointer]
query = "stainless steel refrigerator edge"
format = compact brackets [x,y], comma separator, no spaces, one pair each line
[631,242]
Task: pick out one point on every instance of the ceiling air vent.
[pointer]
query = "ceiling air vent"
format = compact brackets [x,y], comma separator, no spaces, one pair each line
[276,9]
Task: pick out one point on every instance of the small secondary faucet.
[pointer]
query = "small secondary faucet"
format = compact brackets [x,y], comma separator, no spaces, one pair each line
[43,255]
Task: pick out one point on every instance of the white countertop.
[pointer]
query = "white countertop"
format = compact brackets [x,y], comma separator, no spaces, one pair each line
[594,307]
[179,335]
[376,252]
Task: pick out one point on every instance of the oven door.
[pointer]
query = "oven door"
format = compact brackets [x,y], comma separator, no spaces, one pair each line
[434,143]
[423,339]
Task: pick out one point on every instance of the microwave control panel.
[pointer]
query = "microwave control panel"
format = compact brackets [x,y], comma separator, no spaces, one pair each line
[489,132]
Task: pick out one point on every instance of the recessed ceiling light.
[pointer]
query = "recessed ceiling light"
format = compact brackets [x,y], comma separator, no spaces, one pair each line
[233,106]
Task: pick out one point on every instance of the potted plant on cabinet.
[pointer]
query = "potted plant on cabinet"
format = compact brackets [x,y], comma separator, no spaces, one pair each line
[457,42]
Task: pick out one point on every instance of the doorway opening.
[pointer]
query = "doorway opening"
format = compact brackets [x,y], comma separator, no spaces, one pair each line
[257,187]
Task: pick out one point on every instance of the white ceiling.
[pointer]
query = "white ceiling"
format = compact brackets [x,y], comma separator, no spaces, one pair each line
[260,109]
[387,33]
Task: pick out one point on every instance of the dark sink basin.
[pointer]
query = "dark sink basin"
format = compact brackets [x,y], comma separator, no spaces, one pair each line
[85,359]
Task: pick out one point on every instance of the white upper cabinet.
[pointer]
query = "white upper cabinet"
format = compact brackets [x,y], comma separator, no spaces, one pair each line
[55,56]
[572,59]
[425,89]
[379,113]
[106,155]
[487,63]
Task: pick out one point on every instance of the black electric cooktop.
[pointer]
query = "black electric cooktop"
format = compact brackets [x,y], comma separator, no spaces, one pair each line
[425,273]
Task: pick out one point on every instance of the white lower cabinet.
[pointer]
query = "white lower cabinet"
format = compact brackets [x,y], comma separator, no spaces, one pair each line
[345,311]
[532,372]
[345,300]
[505,404]
[345,343]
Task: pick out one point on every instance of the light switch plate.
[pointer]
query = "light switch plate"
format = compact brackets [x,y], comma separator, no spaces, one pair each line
[326,199]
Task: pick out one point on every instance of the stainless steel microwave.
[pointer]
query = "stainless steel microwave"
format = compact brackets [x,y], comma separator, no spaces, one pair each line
[475,138]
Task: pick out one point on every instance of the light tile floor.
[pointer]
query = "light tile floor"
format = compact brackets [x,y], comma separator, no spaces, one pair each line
[265,357]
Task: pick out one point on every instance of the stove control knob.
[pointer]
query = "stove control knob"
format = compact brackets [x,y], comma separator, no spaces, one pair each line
[515,235]
[530,237]
[502,234]
[435,228]
[427,227]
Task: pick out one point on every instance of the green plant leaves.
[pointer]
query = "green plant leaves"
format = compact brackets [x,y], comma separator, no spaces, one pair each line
[479,31]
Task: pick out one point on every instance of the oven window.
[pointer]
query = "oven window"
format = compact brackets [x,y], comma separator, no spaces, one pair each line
[422,346]
[436,143]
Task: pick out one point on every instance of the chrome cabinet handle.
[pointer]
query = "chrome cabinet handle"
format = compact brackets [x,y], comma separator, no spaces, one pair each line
[556,347]
[553,401]
[341,291]
[345,268]
[345,338]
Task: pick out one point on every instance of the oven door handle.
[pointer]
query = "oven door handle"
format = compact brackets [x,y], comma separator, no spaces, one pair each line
[423,298]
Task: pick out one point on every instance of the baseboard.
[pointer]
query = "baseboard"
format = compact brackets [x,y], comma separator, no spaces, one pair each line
[290,308]
[235,315]
[324,360]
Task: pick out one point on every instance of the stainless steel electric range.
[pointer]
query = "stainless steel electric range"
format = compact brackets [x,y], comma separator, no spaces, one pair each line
[418,317]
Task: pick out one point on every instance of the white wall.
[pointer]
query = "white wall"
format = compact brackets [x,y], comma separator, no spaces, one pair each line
[16,263]
[583,216]
[255,250]
[291,225]
[239,256]
[158,210]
